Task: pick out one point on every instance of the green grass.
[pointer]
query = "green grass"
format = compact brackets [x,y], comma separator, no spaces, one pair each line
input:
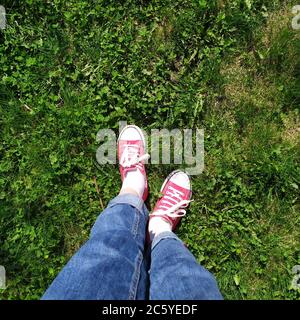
[70,68]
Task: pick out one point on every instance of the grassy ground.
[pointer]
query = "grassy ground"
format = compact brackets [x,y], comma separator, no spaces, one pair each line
[70,68]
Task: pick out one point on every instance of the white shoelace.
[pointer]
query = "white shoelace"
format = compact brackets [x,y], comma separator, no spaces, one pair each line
[177,209]
[130,156]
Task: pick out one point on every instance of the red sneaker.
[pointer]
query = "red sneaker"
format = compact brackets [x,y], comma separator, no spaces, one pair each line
[176,196]
[131,153]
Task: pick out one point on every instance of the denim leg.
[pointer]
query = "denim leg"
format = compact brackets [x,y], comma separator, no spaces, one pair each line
[110,265]
[176,275]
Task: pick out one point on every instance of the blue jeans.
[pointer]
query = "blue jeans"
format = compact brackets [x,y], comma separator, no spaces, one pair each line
[113,264]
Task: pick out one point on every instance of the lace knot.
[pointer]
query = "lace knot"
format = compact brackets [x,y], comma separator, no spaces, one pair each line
[130,156]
